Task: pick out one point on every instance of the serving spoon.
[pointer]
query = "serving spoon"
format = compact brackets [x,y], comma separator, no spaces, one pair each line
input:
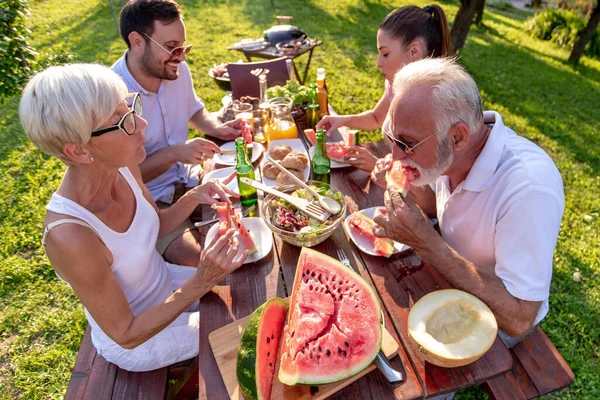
[328,204]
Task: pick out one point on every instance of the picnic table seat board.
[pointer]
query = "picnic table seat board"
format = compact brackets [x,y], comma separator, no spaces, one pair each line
[94,378]
[538,369]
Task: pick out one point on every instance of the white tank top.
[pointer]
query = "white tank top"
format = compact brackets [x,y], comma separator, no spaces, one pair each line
[139,268]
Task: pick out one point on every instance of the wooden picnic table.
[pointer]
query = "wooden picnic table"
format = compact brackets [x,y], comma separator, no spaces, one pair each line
[251,285]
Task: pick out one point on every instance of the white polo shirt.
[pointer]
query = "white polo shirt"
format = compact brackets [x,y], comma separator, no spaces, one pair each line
[168,113]
[506,214]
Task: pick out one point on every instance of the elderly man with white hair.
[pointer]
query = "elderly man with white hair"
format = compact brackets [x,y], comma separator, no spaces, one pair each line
[498,197]
[102,224]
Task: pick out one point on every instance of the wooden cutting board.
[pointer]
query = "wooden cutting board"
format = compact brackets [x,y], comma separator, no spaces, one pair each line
[225,342]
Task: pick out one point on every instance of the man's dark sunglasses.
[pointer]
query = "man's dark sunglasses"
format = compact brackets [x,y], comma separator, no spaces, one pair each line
[127,124]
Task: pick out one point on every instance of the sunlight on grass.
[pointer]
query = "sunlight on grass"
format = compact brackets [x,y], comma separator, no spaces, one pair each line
[528,81]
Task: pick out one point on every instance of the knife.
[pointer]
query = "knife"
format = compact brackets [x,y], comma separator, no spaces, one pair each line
[212,221]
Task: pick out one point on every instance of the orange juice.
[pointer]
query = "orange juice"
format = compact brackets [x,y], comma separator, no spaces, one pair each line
[282,130]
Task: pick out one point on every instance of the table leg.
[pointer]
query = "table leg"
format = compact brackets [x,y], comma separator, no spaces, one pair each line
[248,57]
[296,72]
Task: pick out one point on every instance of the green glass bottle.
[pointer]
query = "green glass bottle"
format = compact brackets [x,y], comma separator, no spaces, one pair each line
[312,110]
[244,169]
[321,164]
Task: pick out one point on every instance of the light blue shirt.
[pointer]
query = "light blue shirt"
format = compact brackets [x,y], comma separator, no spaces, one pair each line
[168,112]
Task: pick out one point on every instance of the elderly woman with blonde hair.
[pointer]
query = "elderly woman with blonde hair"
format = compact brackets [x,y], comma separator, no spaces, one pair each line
[102,225]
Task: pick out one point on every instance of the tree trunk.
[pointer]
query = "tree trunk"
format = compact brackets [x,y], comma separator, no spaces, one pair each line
[586,35]
[462,22]
[536,3]
[480,7]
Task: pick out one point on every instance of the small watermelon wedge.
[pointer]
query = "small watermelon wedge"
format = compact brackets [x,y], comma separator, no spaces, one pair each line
[259,346]
[352,137]
[337,151]
[224,212]
[244,234]
[363,225]
[400,177]
[311,135]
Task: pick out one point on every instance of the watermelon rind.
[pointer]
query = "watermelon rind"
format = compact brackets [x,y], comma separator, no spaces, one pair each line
[247,376]
[289,373]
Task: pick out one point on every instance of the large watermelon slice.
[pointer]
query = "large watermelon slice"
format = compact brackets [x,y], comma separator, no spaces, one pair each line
[258,349]
[244,234]
[363,225]
[399,177]
[334,326]
[224,212]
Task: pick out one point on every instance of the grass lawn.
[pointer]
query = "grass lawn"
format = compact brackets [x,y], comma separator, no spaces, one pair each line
[526,80]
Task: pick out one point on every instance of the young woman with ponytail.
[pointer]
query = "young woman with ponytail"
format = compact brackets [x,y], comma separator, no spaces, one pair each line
[406,34]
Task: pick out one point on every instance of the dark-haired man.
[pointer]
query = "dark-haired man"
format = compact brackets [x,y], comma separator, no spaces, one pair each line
[154,65]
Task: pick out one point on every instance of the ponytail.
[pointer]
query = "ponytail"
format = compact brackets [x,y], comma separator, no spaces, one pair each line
[442,22]
[429,23]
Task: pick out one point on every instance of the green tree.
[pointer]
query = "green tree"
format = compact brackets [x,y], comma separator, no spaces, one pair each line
[585,36]
[16,55]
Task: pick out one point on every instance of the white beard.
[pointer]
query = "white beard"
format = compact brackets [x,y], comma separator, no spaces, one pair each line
[444,156]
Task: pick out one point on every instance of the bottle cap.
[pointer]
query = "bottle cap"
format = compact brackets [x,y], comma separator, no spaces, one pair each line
[320,71]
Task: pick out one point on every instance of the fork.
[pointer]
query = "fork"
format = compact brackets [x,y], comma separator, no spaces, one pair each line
[381,360]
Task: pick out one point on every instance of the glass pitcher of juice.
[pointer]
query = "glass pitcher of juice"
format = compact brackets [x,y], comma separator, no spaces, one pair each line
[282,124]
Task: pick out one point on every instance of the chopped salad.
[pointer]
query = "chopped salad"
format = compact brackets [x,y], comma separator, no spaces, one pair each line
[289,218]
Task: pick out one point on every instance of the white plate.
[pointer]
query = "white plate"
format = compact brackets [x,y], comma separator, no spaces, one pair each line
[221,175]
[260,233]
[362,243]
[334,164]
[229,159]
[296,145]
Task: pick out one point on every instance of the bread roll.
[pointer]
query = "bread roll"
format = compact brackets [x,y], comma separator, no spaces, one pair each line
[283,179]
[280,151]
[270,171]
[295,160]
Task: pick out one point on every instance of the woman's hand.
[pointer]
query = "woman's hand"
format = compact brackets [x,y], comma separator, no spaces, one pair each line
[379,171]
[403,221]
[196,150]
[218,260]
[204,193]
[361,158]
[331,123]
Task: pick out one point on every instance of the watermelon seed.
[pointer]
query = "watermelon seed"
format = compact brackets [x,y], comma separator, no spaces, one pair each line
[328,352]
[347,344]
[333,280]
[318,357]
[310,356]
[341,296]
[313,274]
[320,276]
[270,364]
[293,333]
[272,336]
[268,340]
[319,348]
[268,353]
[339,351]
[311,287]
[357,290]
[307,272]
[346,281]
[344,353]
[356,306]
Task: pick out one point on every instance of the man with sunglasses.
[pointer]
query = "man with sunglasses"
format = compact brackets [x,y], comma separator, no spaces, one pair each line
[498,197]
[154,66]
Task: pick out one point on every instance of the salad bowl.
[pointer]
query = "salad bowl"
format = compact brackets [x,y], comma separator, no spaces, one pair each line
[295,227]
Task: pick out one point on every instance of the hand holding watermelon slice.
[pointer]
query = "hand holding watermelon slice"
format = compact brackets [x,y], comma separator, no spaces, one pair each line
[399,177]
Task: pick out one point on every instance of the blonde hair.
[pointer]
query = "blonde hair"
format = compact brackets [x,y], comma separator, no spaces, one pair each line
[455,96]
[65,104]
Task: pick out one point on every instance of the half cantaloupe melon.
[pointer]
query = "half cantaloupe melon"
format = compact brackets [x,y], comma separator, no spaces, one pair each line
[451,328]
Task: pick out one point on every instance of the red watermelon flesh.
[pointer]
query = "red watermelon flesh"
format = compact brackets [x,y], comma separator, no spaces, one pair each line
[244,234]
[337,151]
[363,225]
[246,133]
[311,135]
[259,346]
[334,326]
[399,177]
[223,211]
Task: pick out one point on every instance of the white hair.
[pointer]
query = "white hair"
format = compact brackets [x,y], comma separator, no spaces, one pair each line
[64,104]
[455,97]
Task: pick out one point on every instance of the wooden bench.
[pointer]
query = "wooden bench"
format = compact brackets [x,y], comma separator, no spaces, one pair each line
[538,369]
[95,378]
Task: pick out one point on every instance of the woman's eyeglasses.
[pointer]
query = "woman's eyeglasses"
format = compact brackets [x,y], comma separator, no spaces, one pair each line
[176,52]
[127,124]
[403,146]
